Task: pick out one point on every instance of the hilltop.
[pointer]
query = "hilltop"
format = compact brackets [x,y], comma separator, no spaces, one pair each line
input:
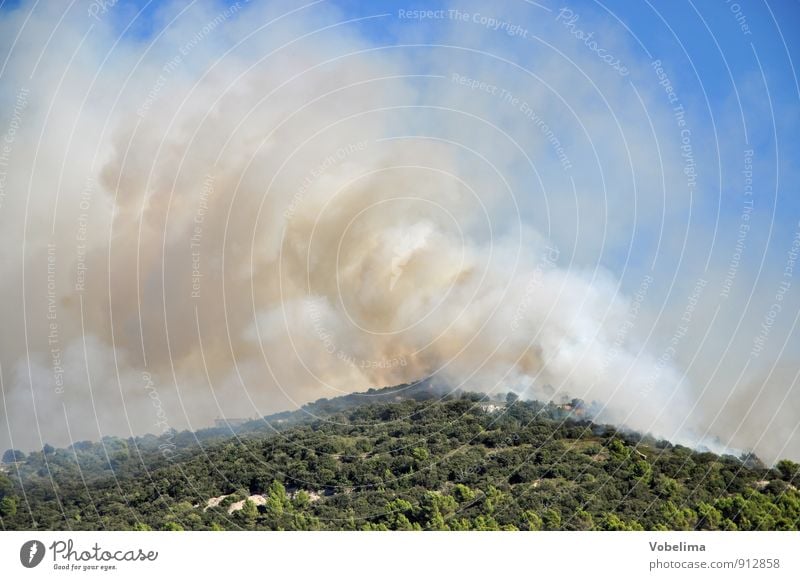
[407,457]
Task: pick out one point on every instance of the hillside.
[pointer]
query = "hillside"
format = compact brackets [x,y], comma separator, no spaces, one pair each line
[398,458]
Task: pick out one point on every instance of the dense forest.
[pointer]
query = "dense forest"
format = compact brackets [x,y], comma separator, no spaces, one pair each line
[404,458]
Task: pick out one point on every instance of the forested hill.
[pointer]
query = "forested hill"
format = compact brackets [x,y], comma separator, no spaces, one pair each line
[399,458]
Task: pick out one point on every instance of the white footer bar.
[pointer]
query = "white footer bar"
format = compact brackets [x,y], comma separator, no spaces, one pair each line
[401,555]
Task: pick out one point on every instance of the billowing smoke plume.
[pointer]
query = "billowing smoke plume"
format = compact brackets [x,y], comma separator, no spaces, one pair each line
[260,207]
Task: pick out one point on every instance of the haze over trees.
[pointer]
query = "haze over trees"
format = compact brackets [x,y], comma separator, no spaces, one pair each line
[402,459]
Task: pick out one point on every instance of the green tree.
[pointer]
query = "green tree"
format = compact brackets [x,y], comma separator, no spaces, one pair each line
[582,520]
[788,470]
[551,519]
[249,510]
[419,453]
[277,502]
[398,514]
[710,517]
[301,500]
[172,527]
[8,507]
[612,522]
[5,485]
[12,455]
[532,520]
[462,493]
[141,527]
